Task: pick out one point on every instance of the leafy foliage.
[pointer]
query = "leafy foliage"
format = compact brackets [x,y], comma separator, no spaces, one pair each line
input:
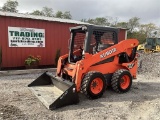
[37,12]
[97,21]
[103,21]
[67,15]
[48,12]
[32,60]
[133,23]
[92,21]
[59,14]
[100,21]
[10,6]
[148,29]
[122,24]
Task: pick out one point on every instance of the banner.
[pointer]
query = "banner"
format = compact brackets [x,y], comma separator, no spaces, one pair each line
[26,37]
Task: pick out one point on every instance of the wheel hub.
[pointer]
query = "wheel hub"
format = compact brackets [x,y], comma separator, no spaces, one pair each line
[96,85]
[124,82]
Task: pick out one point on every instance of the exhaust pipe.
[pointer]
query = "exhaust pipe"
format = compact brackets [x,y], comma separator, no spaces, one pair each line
[54,92]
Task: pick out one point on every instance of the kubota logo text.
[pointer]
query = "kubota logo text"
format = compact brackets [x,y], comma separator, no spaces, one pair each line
[108,53]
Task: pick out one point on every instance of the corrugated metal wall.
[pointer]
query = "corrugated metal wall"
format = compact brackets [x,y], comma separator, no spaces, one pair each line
[121,35]
[56,37]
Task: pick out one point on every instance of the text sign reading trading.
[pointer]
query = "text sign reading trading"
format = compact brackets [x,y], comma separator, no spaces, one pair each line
[26,37]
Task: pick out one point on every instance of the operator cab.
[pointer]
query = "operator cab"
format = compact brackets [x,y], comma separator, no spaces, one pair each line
[90,39]
[102,40]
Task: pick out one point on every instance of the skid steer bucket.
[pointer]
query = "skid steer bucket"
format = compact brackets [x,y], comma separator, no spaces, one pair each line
[54,92]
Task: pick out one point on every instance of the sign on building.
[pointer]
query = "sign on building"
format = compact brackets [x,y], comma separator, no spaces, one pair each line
[26,37]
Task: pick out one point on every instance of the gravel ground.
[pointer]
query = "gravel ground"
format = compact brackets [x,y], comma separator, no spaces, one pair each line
[149,65]
[142,102]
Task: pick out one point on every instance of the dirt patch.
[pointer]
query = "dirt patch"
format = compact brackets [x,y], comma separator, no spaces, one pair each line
[11,112]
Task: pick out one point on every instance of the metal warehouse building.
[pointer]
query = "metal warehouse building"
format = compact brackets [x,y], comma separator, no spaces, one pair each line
[49,34]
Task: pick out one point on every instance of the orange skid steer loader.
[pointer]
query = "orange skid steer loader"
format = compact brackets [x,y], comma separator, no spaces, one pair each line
[95,60]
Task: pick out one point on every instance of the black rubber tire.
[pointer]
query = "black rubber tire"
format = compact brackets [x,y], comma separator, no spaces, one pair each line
[86,83]
[116,79]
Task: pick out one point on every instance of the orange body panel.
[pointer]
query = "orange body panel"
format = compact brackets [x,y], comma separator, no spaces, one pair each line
[95,62]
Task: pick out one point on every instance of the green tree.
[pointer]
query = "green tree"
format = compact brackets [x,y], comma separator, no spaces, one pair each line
[97,21]
[158,30]
[103,21]
[137,35]
[37,12]
[83,20]
[67,15]
[144,31]
[100,21]
[111,21]
[91,21]
[59,14]
[122,24]
[10,6]
[133,23]
[48,12]
[148,29]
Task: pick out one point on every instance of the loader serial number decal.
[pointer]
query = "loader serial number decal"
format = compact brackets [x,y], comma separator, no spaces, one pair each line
[109,52]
